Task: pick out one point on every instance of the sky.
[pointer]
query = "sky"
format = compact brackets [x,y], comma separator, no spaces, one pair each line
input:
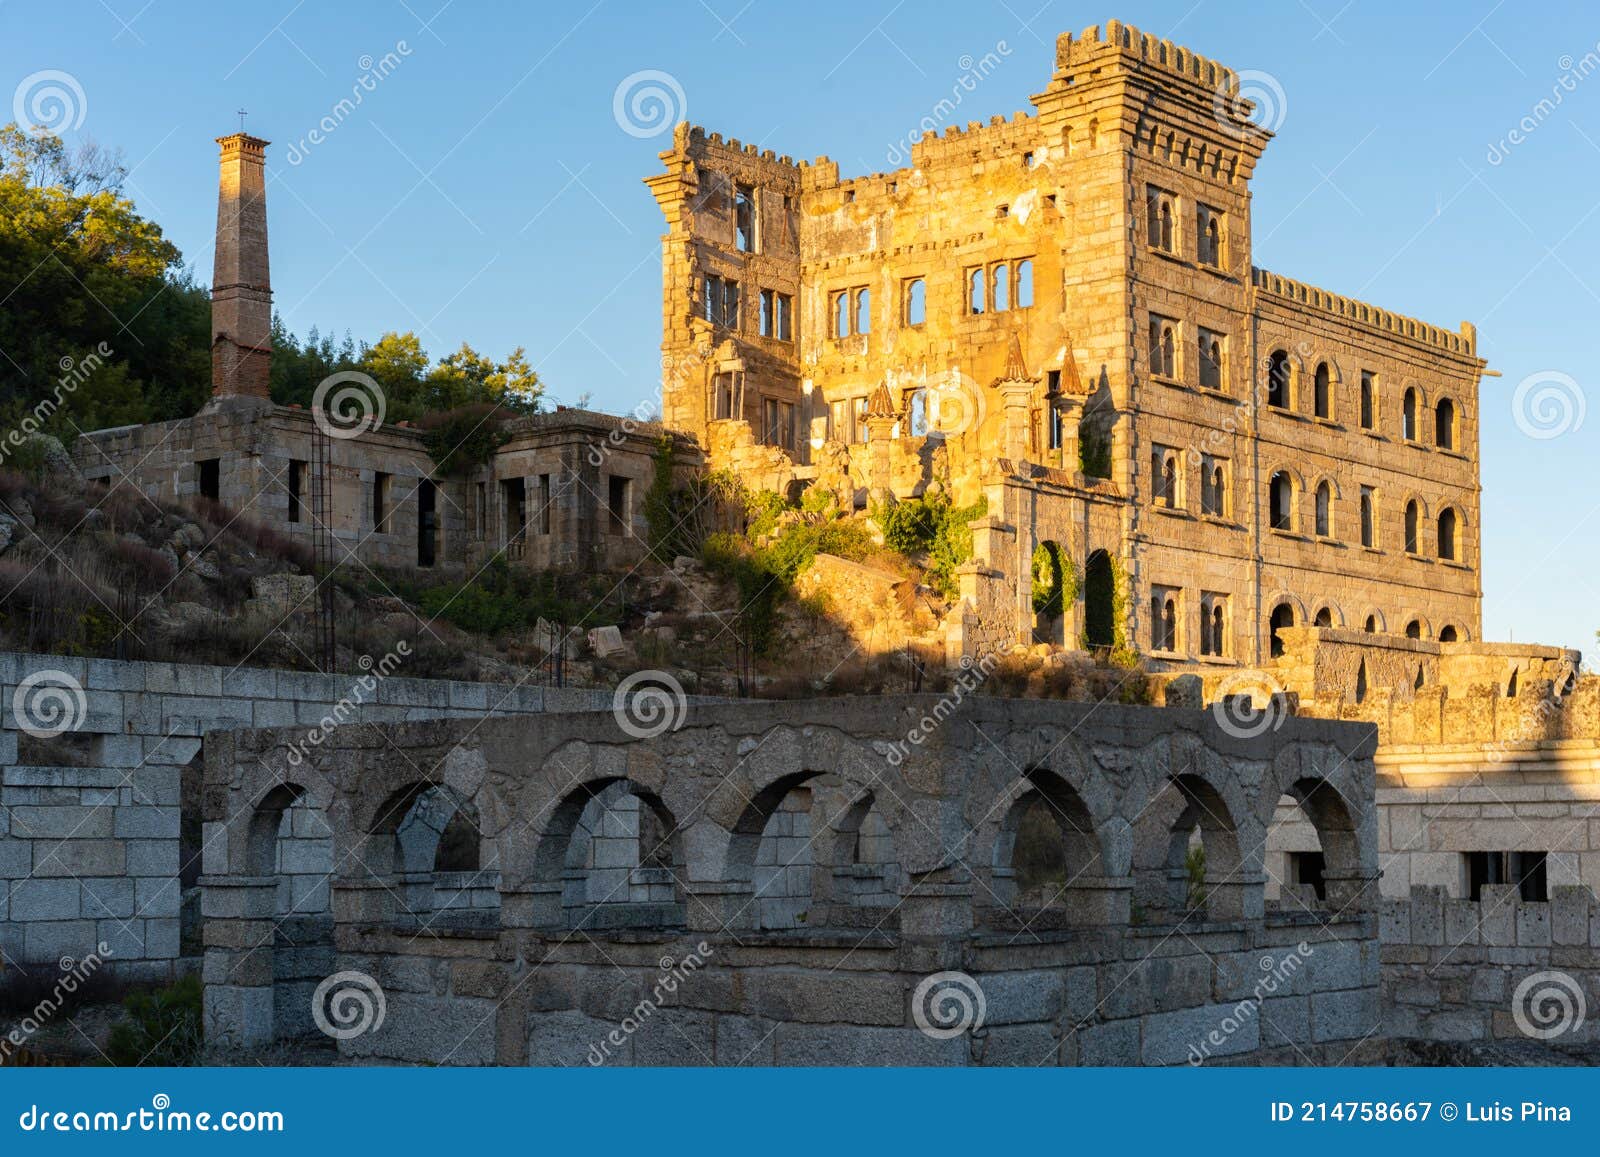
[483,182]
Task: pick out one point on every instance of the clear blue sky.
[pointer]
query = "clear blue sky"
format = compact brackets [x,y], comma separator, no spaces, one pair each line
[484,191]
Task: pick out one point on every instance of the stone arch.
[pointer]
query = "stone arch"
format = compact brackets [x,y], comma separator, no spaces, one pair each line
[1452,633]
[1373,621]
[446,876]
[858,866]
[1416,625]
[1413,408]
[1042,841]
[1282,376]
[1324,390]
[1446,424]
[1328,616]
[1449,528]
[1099,601]
[1049,594]
[1326,495]
[1284,488]
[566,854]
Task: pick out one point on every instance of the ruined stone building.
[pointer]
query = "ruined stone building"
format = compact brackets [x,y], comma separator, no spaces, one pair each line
[1060,313]
[565,490]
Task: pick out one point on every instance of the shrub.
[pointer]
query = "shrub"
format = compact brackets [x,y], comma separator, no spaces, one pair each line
[463,439]
[163,1028]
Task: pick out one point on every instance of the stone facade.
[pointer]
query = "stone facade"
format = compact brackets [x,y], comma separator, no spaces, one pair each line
[565,491]
[1063,314]
[758,822]
[91,846]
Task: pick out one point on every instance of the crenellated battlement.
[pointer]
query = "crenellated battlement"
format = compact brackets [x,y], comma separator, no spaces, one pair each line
[1092,44]
[1464,343]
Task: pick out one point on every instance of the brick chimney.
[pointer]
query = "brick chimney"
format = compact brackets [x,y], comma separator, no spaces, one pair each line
[241,288]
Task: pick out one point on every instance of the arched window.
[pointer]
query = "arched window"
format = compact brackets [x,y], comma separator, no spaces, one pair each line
[1371,626]
[1414,629]
[1411,527]
[1163,622]
[1511,685]
[1280,501]
[1324,617]
[1444,424]
[1369,402]
[1324,510]
[1217,637]
[1213,255]
[1361,677]
[864,311]
[1210,361]
[1169,480]
[1321,400]
[919,414]
[841,315]
[1024,284]
[1002,288]
[1165,238]
[975,291]
[1408,416]
[1448,634]
[1282,617]
[1099,601]
[1447,534]
[1169,352]
[1278,380]
[1369,531]
[916,302]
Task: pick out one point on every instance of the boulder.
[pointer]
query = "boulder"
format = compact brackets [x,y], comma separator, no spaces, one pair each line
[606,642]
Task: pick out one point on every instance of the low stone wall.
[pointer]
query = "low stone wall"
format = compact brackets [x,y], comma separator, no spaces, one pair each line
[92,820]
[1496,968]
[745,948]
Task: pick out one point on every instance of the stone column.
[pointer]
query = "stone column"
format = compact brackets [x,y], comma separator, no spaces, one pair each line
[1069,413]
[1016,396]
[239,916]
[880,464]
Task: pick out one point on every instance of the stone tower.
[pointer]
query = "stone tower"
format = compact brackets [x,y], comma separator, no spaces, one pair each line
[241,288]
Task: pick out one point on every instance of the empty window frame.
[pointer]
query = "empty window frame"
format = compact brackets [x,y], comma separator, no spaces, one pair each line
[1163,619]
[1213,624]
[210,478]
[380,501]
[1161,213]
[547,500]
[1369,400]
[1166,477]
[721,301]
[1214,486]
[1163,347]
[778,423]
[1209,235]
[1000,287]
[1213,359]
[745,228]
[1369,518]
[1526,870]
[618,514]
[297,482]
[777,311]
[851,311]
[725,396]
[915,298]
